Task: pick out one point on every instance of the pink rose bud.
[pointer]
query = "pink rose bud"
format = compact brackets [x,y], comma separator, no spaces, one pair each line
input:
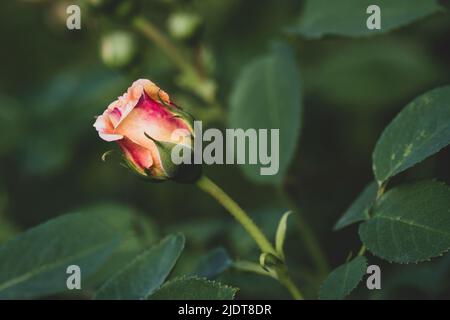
[147,126]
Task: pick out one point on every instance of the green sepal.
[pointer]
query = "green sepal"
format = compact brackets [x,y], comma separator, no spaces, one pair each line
[145,174]
[269,261]
[281,234]
[106,154]
[184,173]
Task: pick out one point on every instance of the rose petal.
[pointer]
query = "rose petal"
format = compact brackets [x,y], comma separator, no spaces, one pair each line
[153,91]
[151,118]
[138,155]
[105,129]
[119,109]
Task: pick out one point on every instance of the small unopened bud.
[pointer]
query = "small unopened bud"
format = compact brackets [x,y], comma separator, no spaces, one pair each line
[118,49]
[149,129]
[183,25]
[269,261]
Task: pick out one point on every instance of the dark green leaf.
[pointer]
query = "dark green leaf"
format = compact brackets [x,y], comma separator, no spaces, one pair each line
[352,74]
[192,288]
[34,264]
[348,17]
[359,210]
[410,223]
[139,232]
[145,273]
[428,278]
[213,264]
[75,95]
[125,219]
[421,129]
[267,96]
[200,231]
[342,280]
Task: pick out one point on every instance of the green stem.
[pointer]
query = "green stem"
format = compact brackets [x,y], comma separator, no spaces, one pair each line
[151,31]
[249,266]
[209,187]
[290,286]
[237,212]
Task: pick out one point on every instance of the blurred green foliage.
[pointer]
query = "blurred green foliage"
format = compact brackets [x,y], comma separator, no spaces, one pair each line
[54,81]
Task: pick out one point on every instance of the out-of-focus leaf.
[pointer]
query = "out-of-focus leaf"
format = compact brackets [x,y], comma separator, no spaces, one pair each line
[67,106]
[409,223]
[78,93]
[46,154]
[267,95]
[360,77]
[143,275]
[34,263]
[124,218]
[343,280]
[348,17]
[359,209]
[429,278]
[192,288]
[200,232]
[421,129]
[138,233]
[213,263]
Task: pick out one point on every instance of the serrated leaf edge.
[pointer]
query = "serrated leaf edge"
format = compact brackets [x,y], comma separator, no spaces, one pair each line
[403,262]
[193,277]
